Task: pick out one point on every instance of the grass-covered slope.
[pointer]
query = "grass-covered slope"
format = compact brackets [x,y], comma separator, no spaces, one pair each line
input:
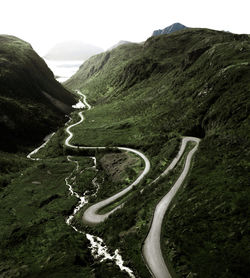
[194,82]
[32,102]
[35,240]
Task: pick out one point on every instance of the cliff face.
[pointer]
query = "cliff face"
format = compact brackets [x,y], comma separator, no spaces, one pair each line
[32,102]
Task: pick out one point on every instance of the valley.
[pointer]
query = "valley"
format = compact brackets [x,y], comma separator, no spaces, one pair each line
[91,215]
[110,175]
[196,84]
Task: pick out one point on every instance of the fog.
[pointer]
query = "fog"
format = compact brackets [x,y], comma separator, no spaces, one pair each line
[44,23]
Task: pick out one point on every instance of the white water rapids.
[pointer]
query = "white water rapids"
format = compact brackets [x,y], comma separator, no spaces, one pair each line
[151,249]
[98,249]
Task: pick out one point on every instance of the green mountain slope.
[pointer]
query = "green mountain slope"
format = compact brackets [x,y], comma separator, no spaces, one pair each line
[32,102]
[194,82]
[35,202]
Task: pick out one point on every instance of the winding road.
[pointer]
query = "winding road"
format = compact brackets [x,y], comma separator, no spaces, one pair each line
[91,216]
[151,247]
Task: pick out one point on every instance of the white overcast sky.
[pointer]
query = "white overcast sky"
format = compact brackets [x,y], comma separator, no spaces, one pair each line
[103,23]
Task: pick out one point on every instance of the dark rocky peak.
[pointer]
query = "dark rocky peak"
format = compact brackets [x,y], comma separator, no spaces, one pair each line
[170,29]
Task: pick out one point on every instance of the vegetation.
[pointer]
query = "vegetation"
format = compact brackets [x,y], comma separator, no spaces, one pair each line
[35,202]
[193,82]
[32,102]
[146,96]
[35,241]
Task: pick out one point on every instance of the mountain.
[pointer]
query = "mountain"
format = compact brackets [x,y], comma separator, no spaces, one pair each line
[118,44]
[35,199]
[72,50]
[170,29]
[146,96]
[32,102]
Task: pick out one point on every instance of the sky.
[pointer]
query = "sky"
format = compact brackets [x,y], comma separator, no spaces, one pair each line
[103,23]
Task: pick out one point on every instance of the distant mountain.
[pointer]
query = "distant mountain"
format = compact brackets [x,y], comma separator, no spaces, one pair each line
[72,50]
[32,102]
[170,29]
[118,44]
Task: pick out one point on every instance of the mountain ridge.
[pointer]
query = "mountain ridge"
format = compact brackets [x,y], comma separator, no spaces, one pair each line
[194,82]
[28,88]
[118,44]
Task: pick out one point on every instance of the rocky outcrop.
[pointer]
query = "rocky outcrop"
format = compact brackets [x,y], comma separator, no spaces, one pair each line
[170,29]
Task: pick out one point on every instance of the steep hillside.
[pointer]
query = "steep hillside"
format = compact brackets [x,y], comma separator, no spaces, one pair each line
[193,82]
[35,241]
[170,29]
[32,102]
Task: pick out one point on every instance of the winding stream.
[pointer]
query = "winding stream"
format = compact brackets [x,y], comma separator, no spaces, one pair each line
[151,248]
[98,249]
[91,215]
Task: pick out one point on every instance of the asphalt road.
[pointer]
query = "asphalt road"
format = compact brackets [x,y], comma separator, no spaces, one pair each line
[91,215]
[152,245]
